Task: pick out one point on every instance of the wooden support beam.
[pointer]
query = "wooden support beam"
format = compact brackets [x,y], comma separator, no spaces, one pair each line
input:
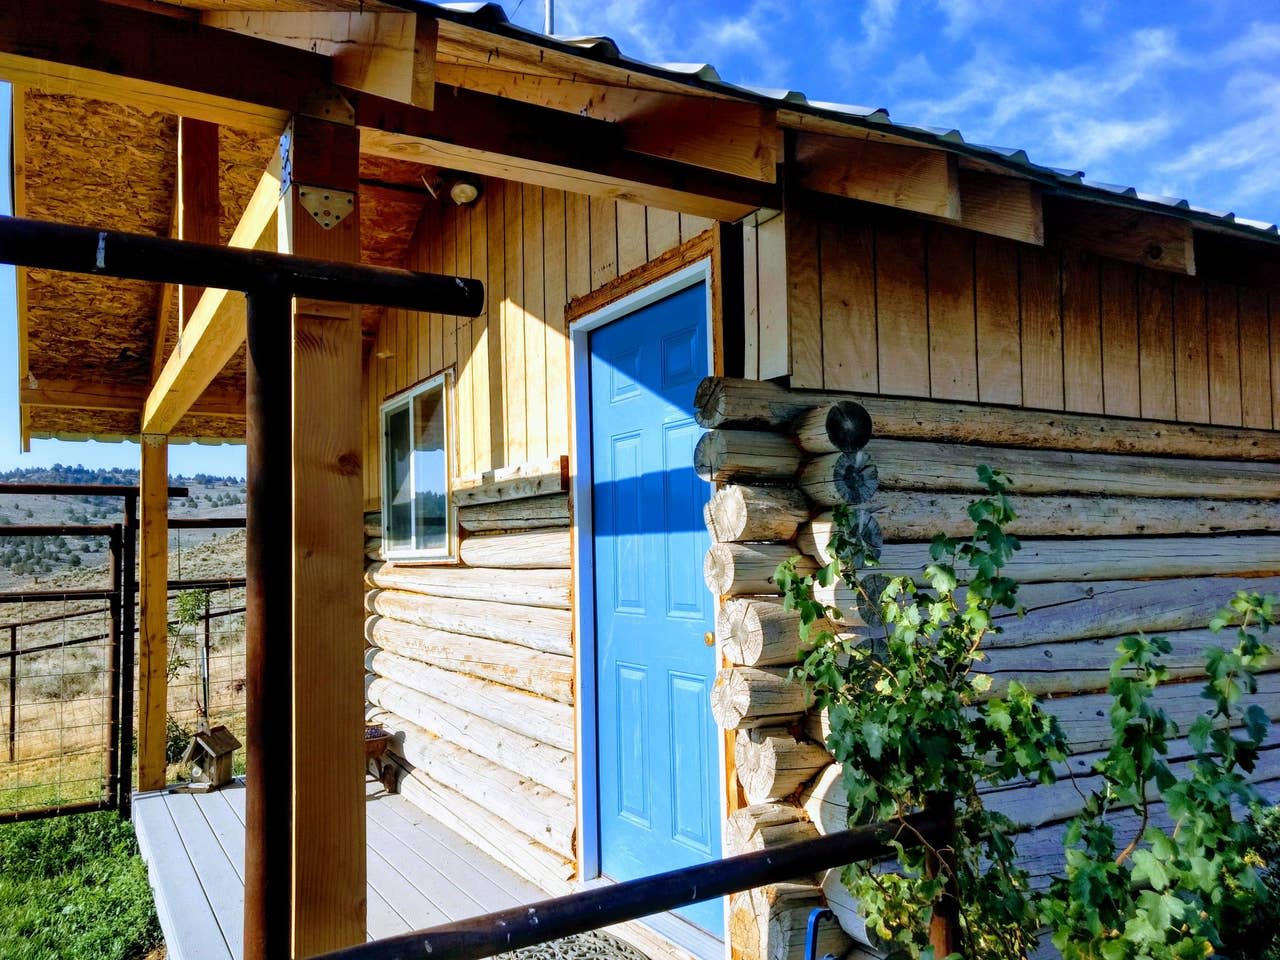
[328,540]
[216,327]
[1147,239]
[390,54]
[1001,206]
[153,594]
[104,51]
[199,208]
[96,395]
[490,136]
[725,135]
[909,178]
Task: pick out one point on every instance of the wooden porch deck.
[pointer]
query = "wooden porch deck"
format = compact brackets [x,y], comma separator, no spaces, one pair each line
[420,873]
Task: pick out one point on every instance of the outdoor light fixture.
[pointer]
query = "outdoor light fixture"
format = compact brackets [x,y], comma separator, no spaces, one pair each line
[464,191]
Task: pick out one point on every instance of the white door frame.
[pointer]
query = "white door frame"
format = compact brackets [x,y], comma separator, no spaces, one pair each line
[583,543]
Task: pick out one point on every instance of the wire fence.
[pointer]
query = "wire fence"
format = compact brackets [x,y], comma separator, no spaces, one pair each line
[206,666]
[65,682]
[56,657]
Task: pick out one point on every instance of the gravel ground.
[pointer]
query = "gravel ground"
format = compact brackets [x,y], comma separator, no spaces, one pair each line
[596,945]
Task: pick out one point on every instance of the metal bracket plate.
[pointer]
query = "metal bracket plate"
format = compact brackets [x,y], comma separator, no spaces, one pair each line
[329,105]
[327,207]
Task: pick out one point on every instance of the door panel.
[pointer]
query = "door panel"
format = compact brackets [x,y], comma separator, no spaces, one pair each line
[658,761]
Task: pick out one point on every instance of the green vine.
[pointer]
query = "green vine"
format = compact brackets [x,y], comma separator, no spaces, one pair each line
[1178,888]
[931,725]
[911,713]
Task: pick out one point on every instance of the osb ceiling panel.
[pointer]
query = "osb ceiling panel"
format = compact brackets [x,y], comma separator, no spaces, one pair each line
[100,164]
[94,164]
[54,423]
[387,221]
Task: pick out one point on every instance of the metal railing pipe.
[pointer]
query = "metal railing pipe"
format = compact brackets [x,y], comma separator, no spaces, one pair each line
[560,917]
[113,253]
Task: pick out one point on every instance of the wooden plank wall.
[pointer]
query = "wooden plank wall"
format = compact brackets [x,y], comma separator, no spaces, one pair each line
[535,249]
[1117,537]
[899,306]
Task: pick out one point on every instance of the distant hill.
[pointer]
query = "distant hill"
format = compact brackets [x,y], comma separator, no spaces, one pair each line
[27,561]
[59,473]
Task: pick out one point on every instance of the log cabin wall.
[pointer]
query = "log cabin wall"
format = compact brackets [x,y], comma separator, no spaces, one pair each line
[884,303]
[1127,526]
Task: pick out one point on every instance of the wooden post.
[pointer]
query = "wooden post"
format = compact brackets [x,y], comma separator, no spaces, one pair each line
[268,814]
[153,646]
[13,690]
[328,548]
[944,925]
[199,206]
[128,644]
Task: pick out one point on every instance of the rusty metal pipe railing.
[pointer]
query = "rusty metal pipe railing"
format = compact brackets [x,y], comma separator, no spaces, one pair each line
[617,903]
[113,253]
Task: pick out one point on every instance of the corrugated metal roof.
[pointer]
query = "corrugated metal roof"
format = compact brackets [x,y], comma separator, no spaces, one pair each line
[492,17]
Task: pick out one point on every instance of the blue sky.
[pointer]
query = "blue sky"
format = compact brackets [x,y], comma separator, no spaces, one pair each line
[1179,98]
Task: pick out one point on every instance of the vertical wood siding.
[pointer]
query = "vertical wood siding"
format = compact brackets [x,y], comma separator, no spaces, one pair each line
[535,249]
[903,307]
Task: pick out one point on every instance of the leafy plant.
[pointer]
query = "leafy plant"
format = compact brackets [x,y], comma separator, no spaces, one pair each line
[1178,889]
[931,726]
[910,715]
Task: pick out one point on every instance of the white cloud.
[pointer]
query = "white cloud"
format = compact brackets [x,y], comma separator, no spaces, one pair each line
[877,21]
[1084,114]
[1259,41]
[1241,153]
[963,15]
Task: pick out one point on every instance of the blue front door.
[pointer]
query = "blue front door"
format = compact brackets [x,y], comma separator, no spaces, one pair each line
[658,761]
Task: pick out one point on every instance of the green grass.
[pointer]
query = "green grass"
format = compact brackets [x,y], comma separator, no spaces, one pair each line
[74,888]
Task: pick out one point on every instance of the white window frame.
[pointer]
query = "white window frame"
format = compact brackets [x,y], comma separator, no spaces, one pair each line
[444,380]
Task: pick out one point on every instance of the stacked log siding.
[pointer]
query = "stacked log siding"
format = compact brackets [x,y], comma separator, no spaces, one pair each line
[471,667]
[1118,538]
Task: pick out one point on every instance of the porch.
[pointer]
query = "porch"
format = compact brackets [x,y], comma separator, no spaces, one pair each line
[420,874]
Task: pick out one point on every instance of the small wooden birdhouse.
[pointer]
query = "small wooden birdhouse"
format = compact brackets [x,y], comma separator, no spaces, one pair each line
[210,754]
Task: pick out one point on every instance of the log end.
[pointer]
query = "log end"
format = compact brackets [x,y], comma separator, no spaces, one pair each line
[856,477]
[848,425]
[717,569]
[730,699]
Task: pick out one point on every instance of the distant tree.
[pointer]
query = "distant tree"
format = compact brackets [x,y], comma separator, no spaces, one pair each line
[73,560]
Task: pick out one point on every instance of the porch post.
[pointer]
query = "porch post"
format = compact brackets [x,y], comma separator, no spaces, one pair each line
[268,815]
[319,217]
[153,645]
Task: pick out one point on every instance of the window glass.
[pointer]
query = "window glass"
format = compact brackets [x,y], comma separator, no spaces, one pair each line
[430,469]
[416,474]
[399,491]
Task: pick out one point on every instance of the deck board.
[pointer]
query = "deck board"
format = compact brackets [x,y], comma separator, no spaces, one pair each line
[181,903]
[223,886]
[420,873]
[481,876]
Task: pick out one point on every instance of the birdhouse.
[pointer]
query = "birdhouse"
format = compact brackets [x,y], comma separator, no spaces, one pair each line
[210,754]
